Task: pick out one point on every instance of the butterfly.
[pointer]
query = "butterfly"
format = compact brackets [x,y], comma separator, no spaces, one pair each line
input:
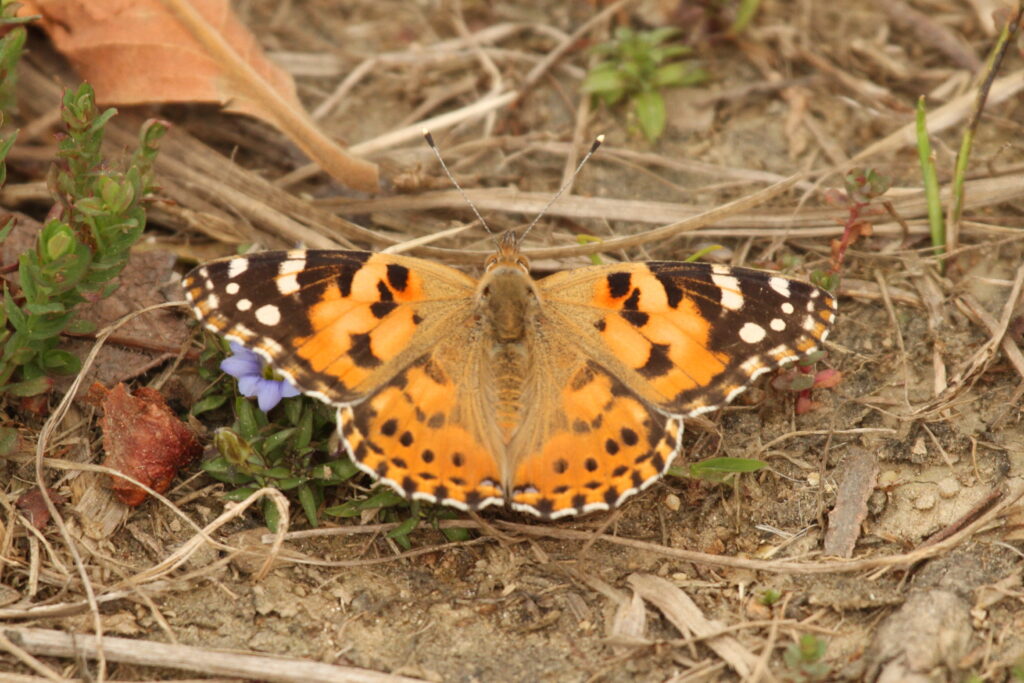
[554,396]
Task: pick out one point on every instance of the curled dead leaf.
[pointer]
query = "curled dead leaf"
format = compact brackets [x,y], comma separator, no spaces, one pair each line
[143,439]
[150,51]
[32,505]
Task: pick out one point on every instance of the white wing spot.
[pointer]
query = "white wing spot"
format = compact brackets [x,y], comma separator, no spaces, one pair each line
[809,323]
[777,324]
[268,315]
[810,306]
[780,285]
[752,333]
[212,301]
[287,278]
[236,267]
[232,288]
[787,308]
[243,305]
[730,287]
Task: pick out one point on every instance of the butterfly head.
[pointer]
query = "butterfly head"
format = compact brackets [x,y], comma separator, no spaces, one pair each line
[507,296]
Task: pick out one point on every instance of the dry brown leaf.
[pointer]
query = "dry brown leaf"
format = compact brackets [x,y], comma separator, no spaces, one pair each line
[150,51]
[860,473]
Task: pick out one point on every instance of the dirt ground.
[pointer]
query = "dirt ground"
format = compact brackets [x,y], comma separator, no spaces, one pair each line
[918,453]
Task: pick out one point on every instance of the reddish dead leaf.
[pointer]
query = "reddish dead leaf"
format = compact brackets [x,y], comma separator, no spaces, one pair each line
[145,440]
[32,505]
[149,51]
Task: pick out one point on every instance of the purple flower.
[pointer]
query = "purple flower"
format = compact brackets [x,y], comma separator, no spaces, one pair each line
[254,379]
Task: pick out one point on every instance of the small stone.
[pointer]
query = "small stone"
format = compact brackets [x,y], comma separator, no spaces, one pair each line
[672,502]
[813,478]
[949,487]
[919,448]
[926,501]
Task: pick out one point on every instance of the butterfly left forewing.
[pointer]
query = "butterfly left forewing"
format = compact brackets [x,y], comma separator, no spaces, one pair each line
[336,323]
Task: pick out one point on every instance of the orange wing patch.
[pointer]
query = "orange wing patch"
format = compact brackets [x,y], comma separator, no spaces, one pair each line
[357,324]
[613,447]
[405,434]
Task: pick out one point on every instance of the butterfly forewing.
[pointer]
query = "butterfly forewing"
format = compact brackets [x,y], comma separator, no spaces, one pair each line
[336,323]
[688,337]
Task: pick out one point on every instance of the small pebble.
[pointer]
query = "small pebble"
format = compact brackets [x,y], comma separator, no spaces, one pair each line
[949,487]
[813,478]
[926,501]
[672,502]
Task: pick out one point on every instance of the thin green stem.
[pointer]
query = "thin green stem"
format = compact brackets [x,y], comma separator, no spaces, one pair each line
[931,180]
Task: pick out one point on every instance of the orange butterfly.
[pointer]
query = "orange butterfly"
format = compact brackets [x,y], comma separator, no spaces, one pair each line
[556,396]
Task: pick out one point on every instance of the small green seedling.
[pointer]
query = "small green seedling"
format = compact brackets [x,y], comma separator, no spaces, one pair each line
[638,66]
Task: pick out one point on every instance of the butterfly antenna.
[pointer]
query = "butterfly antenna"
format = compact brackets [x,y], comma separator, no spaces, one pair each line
[593,148]
[437,153]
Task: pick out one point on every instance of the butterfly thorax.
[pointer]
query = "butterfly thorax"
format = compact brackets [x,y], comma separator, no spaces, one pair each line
[507,297]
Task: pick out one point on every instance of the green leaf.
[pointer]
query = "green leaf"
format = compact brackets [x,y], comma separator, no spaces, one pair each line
[277,439]
[456,534]
[238,495]
[342,469]
[249,421]
[401,532]
[650,113]
[717,466]
[29,387]
[207,403]
[603,82]
[383,497]
[659,35]
[80,326]
[60,362]
[277,473]
[671,75]
[307,499]
[304,433]
[14,313]
[666,52]
[271,514]
[289,483]
[744,15]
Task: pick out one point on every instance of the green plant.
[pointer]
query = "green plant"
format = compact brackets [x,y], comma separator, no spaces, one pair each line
[81,249]
[637,66]
[11,45]
[936,221]
[291,446]
[288,452]
[803,660]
